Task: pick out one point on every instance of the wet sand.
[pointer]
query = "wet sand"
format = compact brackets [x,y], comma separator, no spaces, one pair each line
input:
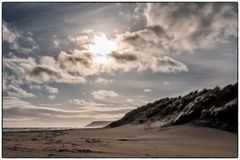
[126,141]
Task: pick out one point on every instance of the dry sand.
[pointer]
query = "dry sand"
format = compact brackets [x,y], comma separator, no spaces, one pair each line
[126,141]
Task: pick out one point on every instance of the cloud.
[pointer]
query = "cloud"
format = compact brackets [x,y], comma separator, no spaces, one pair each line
[124,57]
[132,12]
[139,96]
[51,97]
[82,102]
[189,26]
[129,100]
[51,90]
[18,92]
[169,32]
[17,108]
[55,43]
[77,57]
[146,49]
[11,80]
[147,42]
[154,47]
[103,80]
[47,70]
[20,113]
[18,41]
[74,66]
[147,90]
[166,83]
[167,64]
[102,94]
[8,36]
[51,105]
[40,69]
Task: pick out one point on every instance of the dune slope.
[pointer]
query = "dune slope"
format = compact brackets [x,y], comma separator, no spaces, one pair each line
[217,108]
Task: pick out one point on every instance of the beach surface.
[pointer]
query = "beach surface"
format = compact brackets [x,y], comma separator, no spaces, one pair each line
[125,141]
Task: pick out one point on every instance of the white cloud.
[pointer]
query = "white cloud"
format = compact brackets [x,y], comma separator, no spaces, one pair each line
[82,102]
[103,80]
[18,92]
[51,97]
[129,100]
[51,105]
[147,90]
[102,94]
[8,36]
[166,83]
[139,96]
[55,43]
[51,90]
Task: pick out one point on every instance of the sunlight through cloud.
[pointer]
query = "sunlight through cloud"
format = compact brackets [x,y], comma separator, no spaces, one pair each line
[101,47]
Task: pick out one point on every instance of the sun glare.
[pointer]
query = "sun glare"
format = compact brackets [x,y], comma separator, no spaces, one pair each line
[102,46]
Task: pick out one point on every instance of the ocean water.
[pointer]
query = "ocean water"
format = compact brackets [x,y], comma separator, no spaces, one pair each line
[33,129]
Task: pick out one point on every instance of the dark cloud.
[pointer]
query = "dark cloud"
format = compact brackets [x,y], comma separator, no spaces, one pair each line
[126,57]
[139,40]
[151,40]
[83,58]
[168,65]
[18,42]
[38,70]
[47,70]
[157,30]
[167,62]
[193,25]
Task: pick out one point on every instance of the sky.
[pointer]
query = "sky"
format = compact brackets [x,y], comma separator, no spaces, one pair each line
[68,64]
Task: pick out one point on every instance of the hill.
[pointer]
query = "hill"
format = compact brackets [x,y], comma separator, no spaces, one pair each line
[216,108]
[98,124]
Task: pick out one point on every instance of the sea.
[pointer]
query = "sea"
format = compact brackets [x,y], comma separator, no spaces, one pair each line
[34,129]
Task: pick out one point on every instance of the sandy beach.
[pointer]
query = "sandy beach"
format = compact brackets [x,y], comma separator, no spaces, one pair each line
[125,141]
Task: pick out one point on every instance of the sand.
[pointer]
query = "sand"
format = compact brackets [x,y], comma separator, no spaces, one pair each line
[126,141]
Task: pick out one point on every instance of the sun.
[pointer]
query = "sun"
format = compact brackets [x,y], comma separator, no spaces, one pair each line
[102,46]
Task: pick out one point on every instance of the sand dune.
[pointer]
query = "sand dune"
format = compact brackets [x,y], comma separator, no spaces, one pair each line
[126,141]
[216,108]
